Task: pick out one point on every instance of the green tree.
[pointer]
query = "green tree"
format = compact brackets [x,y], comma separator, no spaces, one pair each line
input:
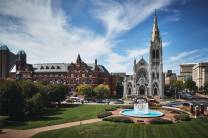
[11,99]
[34,105]
[85,90]
[190,85]
[28,88]
[177,83]
[102,91]
[206,87]
[58,93]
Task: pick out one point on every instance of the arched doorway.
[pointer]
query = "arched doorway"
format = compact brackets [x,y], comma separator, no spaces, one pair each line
[155,91]
[141,90]
[129,89]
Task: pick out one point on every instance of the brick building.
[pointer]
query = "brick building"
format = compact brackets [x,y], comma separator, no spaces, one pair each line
[71,74]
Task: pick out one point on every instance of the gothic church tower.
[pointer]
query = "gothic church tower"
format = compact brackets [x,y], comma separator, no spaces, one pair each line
[156,82]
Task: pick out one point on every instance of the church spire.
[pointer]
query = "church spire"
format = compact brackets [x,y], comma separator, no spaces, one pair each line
[155,30]
[79,60]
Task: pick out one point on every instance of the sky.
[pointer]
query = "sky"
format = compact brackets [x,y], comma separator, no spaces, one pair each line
[115,32]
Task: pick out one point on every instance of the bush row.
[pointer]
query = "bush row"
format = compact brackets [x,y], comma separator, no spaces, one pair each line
[127,106]
[111,108]
[104,114]
[161,121]
[182,117]
[3,120]
[123,119]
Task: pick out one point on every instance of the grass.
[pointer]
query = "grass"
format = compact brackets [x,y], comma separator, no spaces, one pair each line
[69,113]
[189,129]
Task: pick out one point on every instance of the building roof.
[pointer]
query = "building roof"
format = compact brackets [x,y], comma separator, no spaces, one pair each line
[4,47]
[50,67]
[61,67]
[142,61]
[188,64]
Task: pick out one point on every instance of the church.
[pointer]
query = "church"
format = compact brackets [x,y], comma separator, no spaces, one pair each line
[147,78]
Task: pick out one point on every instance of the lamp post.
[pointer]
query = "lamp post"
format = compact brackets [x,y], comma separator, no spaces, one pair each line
[175,92]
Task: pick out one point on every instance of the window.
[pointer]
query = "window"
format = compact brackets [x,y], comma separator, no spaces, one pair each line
[153,53]
[58,67]
[153,75]
[47,67]
[158,75]
[41,67]
[52,67]
[157,54]
[83,75]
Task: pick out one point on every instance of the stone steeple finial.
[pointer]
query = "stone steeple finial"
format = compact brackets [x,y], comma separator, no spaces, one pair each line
[155,30]
[79,60]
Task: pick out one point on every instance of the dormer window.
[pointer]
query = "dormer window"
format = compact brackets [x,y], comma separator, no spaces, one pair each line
[58,67]
[41,67]
[52,67]
[47,67]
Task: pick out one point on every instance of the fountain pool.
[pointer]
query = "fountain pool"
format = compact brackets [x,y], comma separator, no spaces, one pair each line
[141,109]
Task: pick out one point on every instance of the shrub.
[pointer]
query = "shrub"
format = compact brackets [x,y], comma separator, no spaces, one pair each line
[161,121]
[3,120]
[127,106]
[182,117]
[123,119]
[11,99]
[111,108]
[104,114]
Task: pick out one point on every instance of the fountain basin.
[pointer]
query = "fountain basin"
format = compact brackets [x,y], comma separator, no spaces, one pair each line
[150,114]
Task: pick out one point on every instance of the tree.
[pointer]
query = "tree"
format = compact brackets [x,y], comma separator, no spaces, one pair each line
[11,99]
[190,85]
[34,105]
[85,90]
[58,93]
[206,87]
[28,88]
[177,83]
[102,91]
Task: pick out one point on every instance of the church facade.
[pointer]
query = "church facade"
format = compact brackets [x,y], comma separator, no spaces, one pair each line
[147,78]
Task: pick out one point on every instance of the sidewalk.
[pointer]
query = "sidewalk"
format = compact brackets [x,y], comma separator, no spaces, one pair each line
[11,133]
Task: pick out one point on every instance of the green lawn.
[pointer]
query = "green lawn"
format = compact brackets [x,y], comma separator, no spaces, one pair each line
[189,129]
[61,115]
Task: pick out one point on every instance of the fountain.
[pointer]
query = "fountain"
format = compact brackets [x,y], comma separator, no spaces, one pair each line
[141,109]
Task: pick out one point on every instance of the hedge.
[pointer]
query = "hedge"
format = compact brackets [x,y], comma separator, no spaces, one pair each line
[127,106]
[123,119]
[182,117]
[3,120]
[104,114]
[161,121]
[110,108]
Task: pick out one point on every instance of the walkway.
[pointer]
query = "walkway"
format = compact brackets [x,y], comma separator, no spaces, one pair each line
[11,133]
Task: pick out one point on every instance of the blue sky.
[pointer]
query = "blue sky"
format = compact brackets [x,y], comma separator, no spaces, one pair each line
[113,31]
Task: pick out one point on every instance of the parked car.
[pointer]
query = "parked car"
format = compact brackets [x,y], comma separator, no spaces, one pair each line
[119,101]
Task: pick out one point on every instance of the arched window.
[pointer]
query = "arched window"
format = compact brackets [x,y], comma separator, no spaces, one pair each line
[129,88]
[157,54]
[153,75]
[157,75]
[153,53]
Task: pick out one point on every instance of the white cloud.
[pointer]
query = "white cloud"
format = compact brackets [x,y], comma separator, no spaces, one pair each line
[46,36]
[119,17]
[133,53]
[182,55]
